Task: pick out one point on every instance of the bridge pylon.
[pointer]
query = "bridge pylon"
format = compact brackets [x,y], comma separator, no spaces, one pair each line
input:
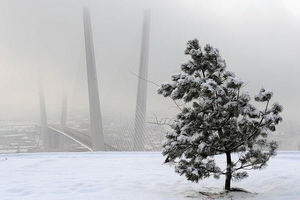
[64,110]
[63,122]
[43,115]
[141,100]
[94,101]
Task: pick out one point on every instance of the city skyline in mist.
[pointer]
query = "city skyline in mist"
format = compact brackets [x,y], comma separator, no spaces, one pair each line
[258,40]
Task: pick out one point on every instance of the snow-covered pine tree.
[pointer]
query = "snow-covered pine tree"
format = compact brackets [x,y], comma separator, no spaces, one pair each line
[216,118]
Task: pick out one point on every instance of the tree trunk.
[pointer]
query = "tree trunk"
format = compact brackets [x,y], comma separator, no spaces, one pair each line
[228,172]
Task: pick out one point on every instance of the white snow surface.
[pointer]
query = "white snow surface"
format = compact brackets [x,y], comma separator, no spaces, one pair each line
[133,176]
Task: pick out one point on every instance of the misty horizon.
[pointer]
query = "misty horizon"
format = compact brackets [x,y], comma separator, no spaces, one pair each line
[258,40]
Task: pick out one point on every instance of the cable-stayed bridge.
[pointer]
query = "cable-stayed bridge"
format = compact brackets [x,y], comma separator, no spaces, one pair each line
[135,138]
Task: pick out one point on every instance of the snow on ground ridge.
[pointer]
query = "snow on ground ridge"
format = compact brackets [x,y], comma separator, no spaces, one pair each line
[130,176]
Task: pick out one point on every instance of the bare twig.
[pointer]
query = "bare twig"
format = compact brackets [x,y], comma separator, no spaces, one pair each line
[144,79]
[161,122]
[244,85]
[155,85]
[177,105]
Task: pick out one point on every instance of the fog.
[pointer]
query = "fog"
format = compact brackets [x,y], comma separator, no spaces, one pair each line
[258,39]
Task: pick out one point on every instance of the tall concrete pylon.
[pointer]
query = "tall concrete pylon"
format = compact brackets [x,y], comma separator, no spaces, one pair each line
[64,110]
[94,102]
[43,115]
[141,100]
[63,122]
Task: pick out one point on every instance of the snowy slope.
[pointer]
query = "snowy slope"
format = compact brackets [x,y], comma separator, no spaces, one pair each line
[132,176]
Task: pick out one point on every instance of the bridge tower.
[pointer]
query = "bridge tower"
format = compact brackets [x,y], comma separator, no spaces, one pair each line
[94,102]
[64,110]
[44,129]
[63,122]
[141,100]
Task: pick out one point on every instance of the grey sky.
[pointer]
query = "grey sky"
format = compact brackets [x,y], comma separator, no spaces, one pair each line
[258,39]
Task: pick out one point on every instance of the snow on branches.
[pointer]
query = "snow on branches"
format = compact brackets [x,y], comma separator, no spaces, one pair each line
[217,119]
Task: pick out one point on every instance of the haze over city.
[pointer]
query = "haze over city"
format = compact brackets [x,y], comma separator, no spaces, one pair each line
[258,40]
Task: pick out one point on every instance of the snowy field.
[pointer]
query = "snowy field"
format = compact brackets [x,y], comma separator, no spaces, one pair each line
[132,176]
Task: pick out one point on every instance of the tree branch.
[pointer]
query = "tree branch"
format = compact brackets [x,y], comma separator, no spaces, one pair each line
[254,132]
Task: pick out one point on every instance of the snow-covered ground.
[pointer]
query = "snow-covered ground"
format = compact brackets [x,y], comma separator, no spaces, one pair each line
[132,176]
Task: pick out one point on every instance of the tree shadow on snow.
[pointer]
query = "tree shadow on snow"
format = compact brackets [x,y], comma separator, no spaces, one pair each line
[214,193]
